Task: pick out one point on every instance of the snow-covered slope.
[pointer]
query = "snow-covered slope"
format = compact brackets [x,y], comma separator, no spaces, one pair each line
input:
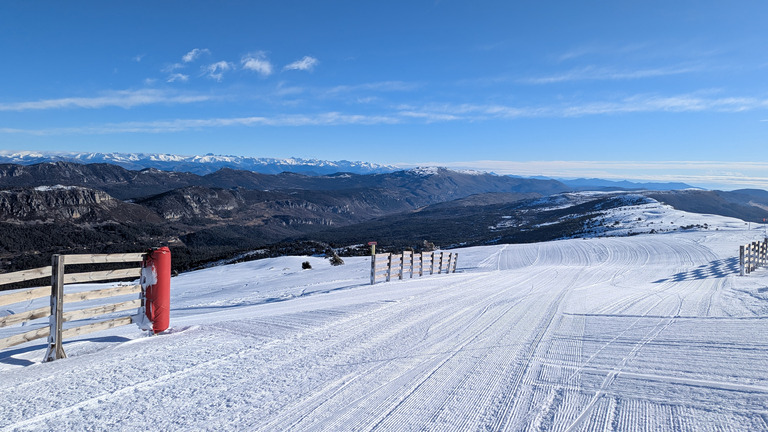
[648,332]
[198,164]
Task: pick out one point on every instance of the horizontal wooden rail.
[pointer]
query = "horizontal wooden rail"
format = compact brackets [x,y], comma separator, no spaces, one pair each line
[25,316]
[24,337]
[101,310]
[101,293]
[102,258]
[26,295]
[409,264]
[56,293]
[94,327]
[25,275]
[104,275]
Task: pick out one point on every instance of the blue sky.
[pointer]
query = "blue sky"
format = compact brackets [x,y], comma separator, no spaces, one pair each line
[654,90]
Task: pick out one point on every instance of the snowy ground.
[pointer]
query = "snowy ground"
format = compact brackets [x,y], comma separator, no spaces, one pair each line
[650,332]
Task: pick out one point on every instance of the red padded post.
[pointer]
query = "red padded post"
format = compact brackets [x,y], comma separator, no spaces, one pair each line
[157,264]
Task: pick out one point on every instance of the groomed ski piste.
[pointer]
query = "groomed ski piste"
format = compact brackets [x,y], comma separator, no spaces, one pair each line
[647,332]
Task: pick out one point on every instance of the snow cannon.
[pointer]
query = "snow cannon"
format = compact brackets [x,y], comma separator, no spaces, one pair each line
[156,284]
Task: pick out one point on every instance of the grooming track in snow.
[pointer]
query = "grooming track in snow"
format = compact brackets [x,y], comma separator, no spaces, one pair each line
[640,333]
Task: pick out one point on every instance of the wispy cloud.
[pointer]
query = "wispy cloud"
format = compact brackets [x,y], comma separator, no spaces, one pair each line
[216,70]
[177,77]
[172,67]
[194,54]
[596,73]
[180,125]
[122,99]
[138,58]
[307,63]
[632,104]
[382,86]
[602,50]
[257,62]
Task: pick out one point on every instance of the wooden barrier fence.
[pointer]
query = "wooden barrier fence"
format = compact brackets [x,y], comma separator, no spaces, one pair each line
[385,266]
[753,256]
[58,298]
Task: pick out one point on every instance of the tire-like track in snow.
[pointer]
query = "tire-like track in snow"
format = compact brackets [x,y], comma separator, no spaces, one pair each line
[609,334]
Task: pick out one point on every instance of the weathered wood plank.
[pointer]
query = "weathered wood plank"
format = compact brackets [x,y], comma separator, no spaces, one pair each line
[28,294]
[101,310]
[103,258]
[25,275]
[102,325]
[106,292]
[103,275]
[24,337]
[25,316]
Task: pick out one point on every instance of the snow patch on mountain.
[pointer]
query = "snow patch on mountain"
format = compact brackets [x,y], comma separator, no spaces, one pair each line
[198,164]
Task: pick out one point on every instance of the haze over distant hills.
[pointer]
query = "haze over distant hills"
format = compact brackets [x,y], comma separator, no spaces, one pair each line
[596,184]
[209,163]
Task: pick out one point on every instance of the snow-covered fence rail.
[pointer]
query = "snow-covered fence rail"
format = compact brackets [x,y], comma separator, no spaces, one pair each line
[386,266]
[56,291]
[753,256]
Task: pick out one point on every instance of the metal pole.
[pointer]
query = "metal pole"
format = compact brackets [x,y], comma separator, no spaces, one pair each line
[373,265]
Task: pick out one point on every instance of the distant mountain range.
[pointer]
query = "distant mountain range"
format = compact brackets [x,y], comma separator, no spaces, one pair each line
[200,164]
[596,184]
[67,207]
[209,163]
[56,207]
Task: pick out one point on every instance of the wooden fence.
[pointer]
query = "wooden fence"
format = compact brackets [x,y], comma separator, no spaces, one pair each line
[386,266]
[58,298]
[752,256]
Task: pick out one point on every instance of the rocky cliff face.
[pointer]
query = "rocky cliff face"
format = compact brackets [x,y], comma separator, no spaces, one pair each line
[98,208]
[67,204]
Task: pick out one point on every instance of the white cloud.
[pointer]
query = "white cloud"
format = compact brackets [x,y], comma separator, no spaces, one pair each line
[122,99]
[257,62]
[216,70]
[178,125]
[305,64]
[595,73]
[695,102]
[138,58]
[194,55]
[173,67]
[177,77]
[382,86]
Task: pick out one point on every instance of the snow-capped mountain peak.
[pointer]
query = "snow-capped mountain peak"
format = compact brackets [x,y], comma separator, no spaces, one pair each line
[198,164]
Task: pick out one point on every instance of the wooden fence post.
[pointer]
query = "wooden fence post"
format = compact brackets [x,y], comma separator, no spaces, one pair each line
[401,266]
[455,261]
[741,260]
[431,263]
[389,268]
[421,264]
[55,348]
